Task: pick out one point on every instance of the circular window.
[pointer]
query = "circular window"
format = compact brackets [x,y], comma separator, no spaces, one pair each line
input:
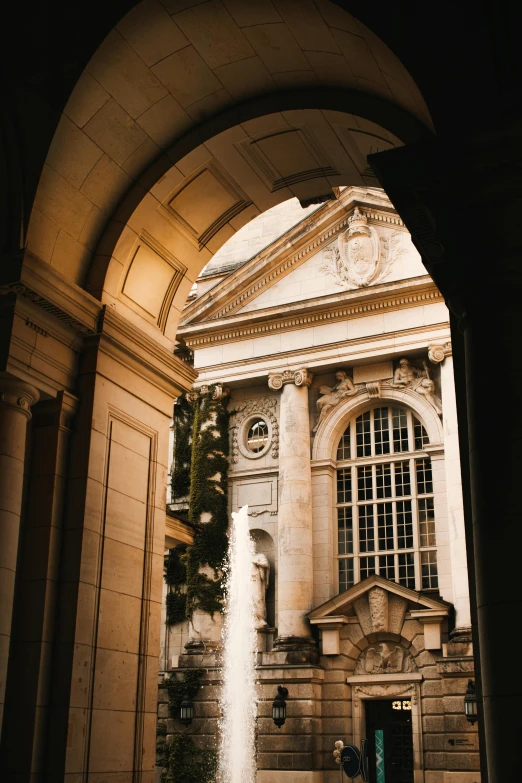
[257,436]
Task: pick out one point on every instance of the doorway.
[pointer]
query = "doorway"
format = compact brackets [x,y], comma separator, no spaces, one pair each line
[390,740]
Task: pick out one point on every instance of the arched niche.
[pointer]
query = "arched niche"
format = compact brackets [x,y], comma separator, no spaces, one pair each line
[332,428]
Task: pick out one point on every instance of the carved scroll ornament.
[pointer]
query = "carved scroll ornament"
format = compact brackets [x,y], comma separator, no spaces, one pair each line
[264,406]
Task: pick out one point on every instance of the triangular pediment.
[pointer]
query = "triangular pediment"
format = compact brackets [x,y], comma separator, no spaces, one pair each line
[380,606]
[301,265]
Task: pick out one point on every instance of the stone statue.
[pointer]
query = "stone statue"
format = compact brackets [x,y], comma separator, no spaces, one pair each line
[408,376]
[260,577]
[332,396]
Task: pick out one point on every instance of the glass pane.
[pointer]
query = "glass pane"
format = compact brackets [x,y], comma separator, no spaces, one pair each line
[404,525]
[366,529]
[385,525]
[427,522]
[344,531]
[424,477]
[381,430]
[364,483]
[257,436]
[367,567]
[402,479]
[400,430]
[363,435]
[429,573]
[345,574]
[383,480]
[420,435]
[343,449]
[344,485]
[407,570]
[387,567]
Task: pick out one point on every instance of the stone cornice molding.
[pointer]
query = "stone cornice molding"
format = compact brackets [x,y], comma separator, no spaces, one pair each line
[437,353]
[132,348]
[301,377]
[17,394]
[287,252]
[57,296]
[310,314]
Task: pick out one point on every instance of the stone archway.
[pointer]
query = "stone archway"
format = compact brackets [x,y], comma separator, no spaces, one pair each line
[177,133]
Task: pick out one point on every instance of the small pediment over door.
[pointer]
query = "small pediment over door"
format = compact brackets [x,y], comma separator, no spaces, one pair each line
[380,607]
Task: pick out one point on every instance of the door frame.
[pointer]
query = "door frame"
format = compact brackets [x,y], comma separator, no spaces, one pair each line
[389,686]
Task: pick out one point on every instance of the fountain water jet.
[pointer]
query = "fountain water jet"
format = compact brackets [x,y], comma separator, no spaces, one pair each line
[237,763]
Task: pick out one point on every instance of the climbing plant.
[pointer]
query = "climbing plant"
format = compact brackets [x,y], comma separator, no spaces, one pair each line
[183,422]
[204,427]
[184,762]
[176,577]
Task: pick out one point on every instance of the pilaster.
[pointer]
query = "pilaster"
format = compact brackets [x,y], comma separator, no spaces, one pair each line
[16,399]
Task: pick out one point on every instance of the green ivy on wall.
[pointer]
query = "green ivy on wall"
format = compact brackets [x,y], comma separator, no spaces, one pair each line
[184,762]
[183,422]
[204,428]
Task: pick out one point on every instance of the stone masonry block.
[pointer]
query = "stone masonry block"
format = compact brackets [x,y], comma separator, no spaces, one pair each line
[432,706]
[454,704]
[411,629]
[433,723]
[435,760]
[463,761]
[432,688]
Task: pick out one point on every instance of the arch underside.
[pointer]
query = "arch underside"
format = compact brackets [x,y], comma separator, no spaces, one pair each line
[187,123]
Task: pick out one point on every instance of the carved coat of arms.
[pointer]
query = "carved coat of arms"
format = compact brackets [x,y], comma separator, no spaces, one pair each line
[360,257]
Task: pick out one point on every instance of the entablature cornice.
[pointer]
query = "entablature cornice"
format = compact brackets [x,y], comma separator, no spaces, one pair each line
[328,309]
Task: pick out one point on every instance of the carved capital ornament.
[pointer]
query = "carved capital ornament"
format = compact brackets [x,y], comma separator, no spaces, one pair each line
[301,377]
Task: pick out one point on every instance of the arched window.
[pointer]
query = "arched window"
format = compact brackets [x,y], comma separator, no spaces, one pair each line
[385,506]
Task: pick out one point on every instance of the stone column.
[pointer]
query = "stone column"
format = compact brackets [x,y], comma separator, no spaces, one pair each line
[441,354]
[32,643]
[16,398]
[295,561]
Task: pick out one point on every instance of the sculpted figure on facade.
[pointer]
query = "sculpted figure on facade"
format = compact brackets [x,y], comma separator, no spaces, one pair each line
[407,376]
[332,396]
[384,658]
[260,580]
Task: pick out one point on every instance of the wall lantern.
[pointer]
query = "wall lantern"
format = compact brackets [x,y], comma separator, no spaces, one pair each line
[279,706]
[470,703]
[186,711]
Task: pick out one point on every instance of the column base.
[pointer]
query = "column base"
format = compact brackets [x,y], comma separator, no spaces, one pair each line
[463,634]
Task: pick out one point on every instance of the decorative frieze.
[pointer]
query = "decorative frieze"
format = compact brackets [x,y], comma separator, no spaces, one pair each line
[209,337]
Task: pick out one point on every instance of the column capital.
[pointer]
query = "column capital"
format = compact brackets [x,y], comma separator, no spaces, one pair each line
[437,353]
[18,394]
[301,377]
